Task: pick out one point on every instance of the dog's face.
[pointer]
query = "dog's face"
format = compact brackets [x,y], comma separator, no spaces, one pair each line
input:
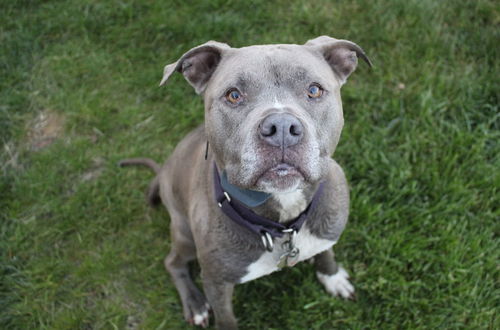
[273,113]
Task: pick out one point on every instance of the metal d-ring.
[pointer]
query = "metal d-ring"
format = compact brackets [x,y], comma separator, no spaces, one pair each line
[293,234]
[226,196]
[267,241]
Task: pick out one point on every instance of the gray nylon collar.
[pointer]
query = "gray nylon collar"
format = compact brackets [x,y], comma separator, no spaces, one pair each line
[250,198]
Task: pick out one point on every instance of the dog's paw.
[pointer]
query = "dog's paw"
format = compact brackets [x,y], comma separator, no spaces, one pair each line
[199,317]
[337,284]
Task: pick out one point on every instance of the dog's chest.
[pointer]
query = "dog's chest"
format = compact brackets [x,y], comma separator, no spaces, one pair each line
[308,245]
[290,204]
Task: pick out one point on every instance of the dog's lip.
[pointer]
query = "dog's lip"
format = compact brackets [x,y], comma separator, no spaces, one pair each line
[281,169]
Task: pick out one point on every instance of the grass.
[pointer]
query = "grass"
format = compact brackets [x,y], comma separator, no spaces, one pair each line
[79,246]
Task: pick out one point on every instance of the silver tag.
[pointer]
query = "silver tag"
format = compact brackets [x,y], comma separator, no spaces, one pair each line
[293,257]
[290,256]
[283,260]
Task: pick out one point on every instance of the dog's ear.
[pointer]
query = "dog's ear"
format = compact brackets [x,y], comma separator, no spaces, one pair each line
[342,55]
[197,65]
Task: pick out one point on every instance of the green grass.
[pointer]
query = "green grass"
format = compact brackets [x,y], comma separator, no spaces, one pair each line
[80,248]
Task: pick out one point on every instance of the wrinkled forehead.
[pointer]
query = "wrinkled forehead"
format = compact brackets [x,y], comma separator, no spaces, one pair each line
[272,64]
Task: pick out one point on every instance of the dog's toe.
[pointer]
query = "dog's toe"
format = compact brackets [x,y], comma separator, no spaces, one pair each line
[195,308]
[337,284]
[200,317]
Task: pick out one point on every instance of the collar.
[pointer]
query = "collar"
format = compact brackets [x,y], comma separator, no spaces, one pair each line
[249,198]
[265,228]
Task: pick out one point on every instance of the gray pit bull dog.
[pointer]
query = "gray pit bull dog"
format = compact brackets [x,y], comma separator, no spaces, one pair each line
[255,189]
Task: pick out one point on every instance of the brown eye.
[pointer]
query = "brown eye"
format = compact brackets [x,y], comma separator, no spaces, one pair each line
[314,91]
[234,96]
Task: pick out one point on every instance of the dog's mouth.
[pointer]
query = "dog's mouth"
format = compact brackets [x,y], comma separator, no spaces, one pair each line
[273,170]
[280,177]
[282,170]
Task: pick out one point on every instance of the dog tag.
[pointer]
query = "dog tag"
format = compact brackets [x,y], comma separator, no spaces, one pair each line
[291,255]
[283,262]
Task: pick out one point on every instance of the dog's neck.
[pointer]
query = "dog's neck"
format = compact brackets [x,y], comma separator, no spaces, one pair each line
[283,207]
[291,204]
[279,207]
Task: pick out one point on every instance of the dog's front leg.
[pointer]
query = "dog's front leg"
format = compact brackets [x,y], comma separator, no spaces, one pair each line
[219,295]
[332,276]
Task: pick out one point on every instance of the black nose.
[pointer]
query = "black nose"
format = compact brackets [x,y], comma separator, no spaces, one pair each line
[281,130]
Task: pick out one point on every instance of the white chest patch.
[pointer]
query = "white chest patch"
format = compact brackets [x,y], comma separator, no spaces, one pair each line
[308,245]
[292,204]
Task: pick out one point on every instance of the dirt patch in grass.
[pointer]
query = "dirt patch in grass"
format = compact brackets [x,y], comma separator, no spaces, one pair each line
[45,129]
[94,171]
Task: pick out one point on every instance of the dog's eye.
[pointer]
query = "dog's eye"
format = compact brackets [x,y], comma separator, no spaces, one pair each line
[314,91]
[234,96]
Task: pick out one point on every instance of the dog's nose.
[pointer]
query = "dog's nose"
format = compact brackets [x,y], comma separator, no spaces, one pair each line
[281,130]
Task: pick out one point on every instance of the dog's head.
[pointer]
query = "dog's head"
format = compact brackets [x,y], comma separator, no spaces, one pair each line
[273,113]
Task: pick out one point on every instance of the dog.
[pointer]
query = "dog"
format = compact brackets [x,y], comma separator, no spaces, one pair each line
[254,189]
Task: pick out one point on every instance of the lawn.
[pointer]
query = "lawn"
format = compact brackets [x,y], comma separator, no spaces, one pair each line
[79,246]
